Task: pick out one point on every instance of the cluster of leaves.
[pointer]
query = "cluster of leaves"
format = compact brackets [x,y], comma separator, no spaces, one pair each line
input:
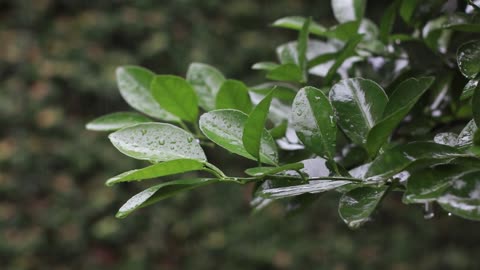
[343,135]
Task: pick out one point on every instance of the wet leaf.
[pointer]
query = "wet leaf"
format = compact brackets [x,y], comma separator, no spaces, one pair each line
[469,89]
[347,51]
[134,85]
[259,171]
[462,198]
[255,126]
[358,104]
[446,138]
[265,65]
[116,121]
[157,142]
[357,205]
[407,9]
[314,186]
[157,170]
[468,58]
[234,95]
[302,46]
[176,95]
[206,80]
[313,120]
[287,72]
[348,10]
[161,192]
[388,19]
[399,105]
[466,135]
[476,106]
[296,23]
[225,128]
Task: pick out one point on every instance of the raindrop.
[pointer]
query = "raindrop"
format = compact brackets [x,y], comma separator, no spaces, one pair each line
[161,142]
[428,211]
[449,214]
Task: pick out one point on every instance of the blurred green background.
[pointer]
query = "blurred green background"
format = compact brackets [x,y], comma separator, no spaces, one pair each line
[57,61]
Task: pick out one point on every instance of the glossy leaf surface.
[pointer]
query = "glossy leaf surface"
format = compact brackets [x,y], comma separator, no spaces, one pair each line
[157,142]
[234,95]
[315,186]
[225,128]
[255,126]
[313,120]
[161,192]
[468,58]
[469,89]
[257,171]
[358,105]
[116,121]
[296,23]
[176,95]
[466,135]
[348,10]
[357,205]
[134,85]
[287,72]
[157,170]
[206,80]
[476,106]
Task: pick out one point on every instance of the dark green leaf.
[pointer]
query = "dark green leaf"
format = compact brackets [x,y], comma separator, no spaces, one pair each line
[158,170]
[388,19]
[407,9]
[476,106]
[286,72]
[302,45]
[255,126]
[469,89]
[435,36]
[225,128]
[296,23]
[206,80]
[176,95]
[462,198]
[233,94]
[400,157]
[283,91]
[461,22]
[259,171]
[400,103]
[134,85]
[116,121]
[161,192]
[279,131]
[358,105]
[446,138]
[348,10]
[157,142]
[468,58]
[357,205]
[347,51]
[465,137]
[315,186]
[313,119]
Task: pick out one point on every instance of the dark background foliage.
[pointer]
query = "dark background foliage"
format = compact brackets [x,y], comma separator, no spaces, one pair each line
[57,61]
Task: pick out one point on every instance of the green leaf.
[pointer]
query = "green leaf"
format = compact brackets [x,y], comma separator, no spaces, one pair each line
[400,103]
[259,171]
[206,80]
[134,85]
[225,128]
[283,91]
[348,10]
[387,21]
[430,183]
[313,120]
[279,131]
[465,137]
[265,65]
[469,88]
[157,170]
[255,126]
[176,95]
[446,138]
[398,158]
[116,121]
[302,45]
[287,72]
[344,31]
[347,51]
[468,58]
[358,104]
[287,53]
[462,198]
[476,106]
[357,205]
[407,9]
[315,186]
[461,22]
[157,142]
[435,36]
[296,23]
[233,94]
[161,192]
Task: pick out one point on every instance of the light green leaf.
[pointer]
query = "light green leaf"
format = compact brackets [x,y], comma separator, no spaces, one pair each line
[462,198]
[286,72]
[234,95]
[313,120]
[116,121]
[359,105]
[225,128]
[348,10]
[161,192]
[468,58]
[265,65]
[399,105]
[158,170]
[357,205]
[176,95]
[255,126]
[296,23]
[157,142]
[397,159]
[206,80]
[134,85]
[302,45]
